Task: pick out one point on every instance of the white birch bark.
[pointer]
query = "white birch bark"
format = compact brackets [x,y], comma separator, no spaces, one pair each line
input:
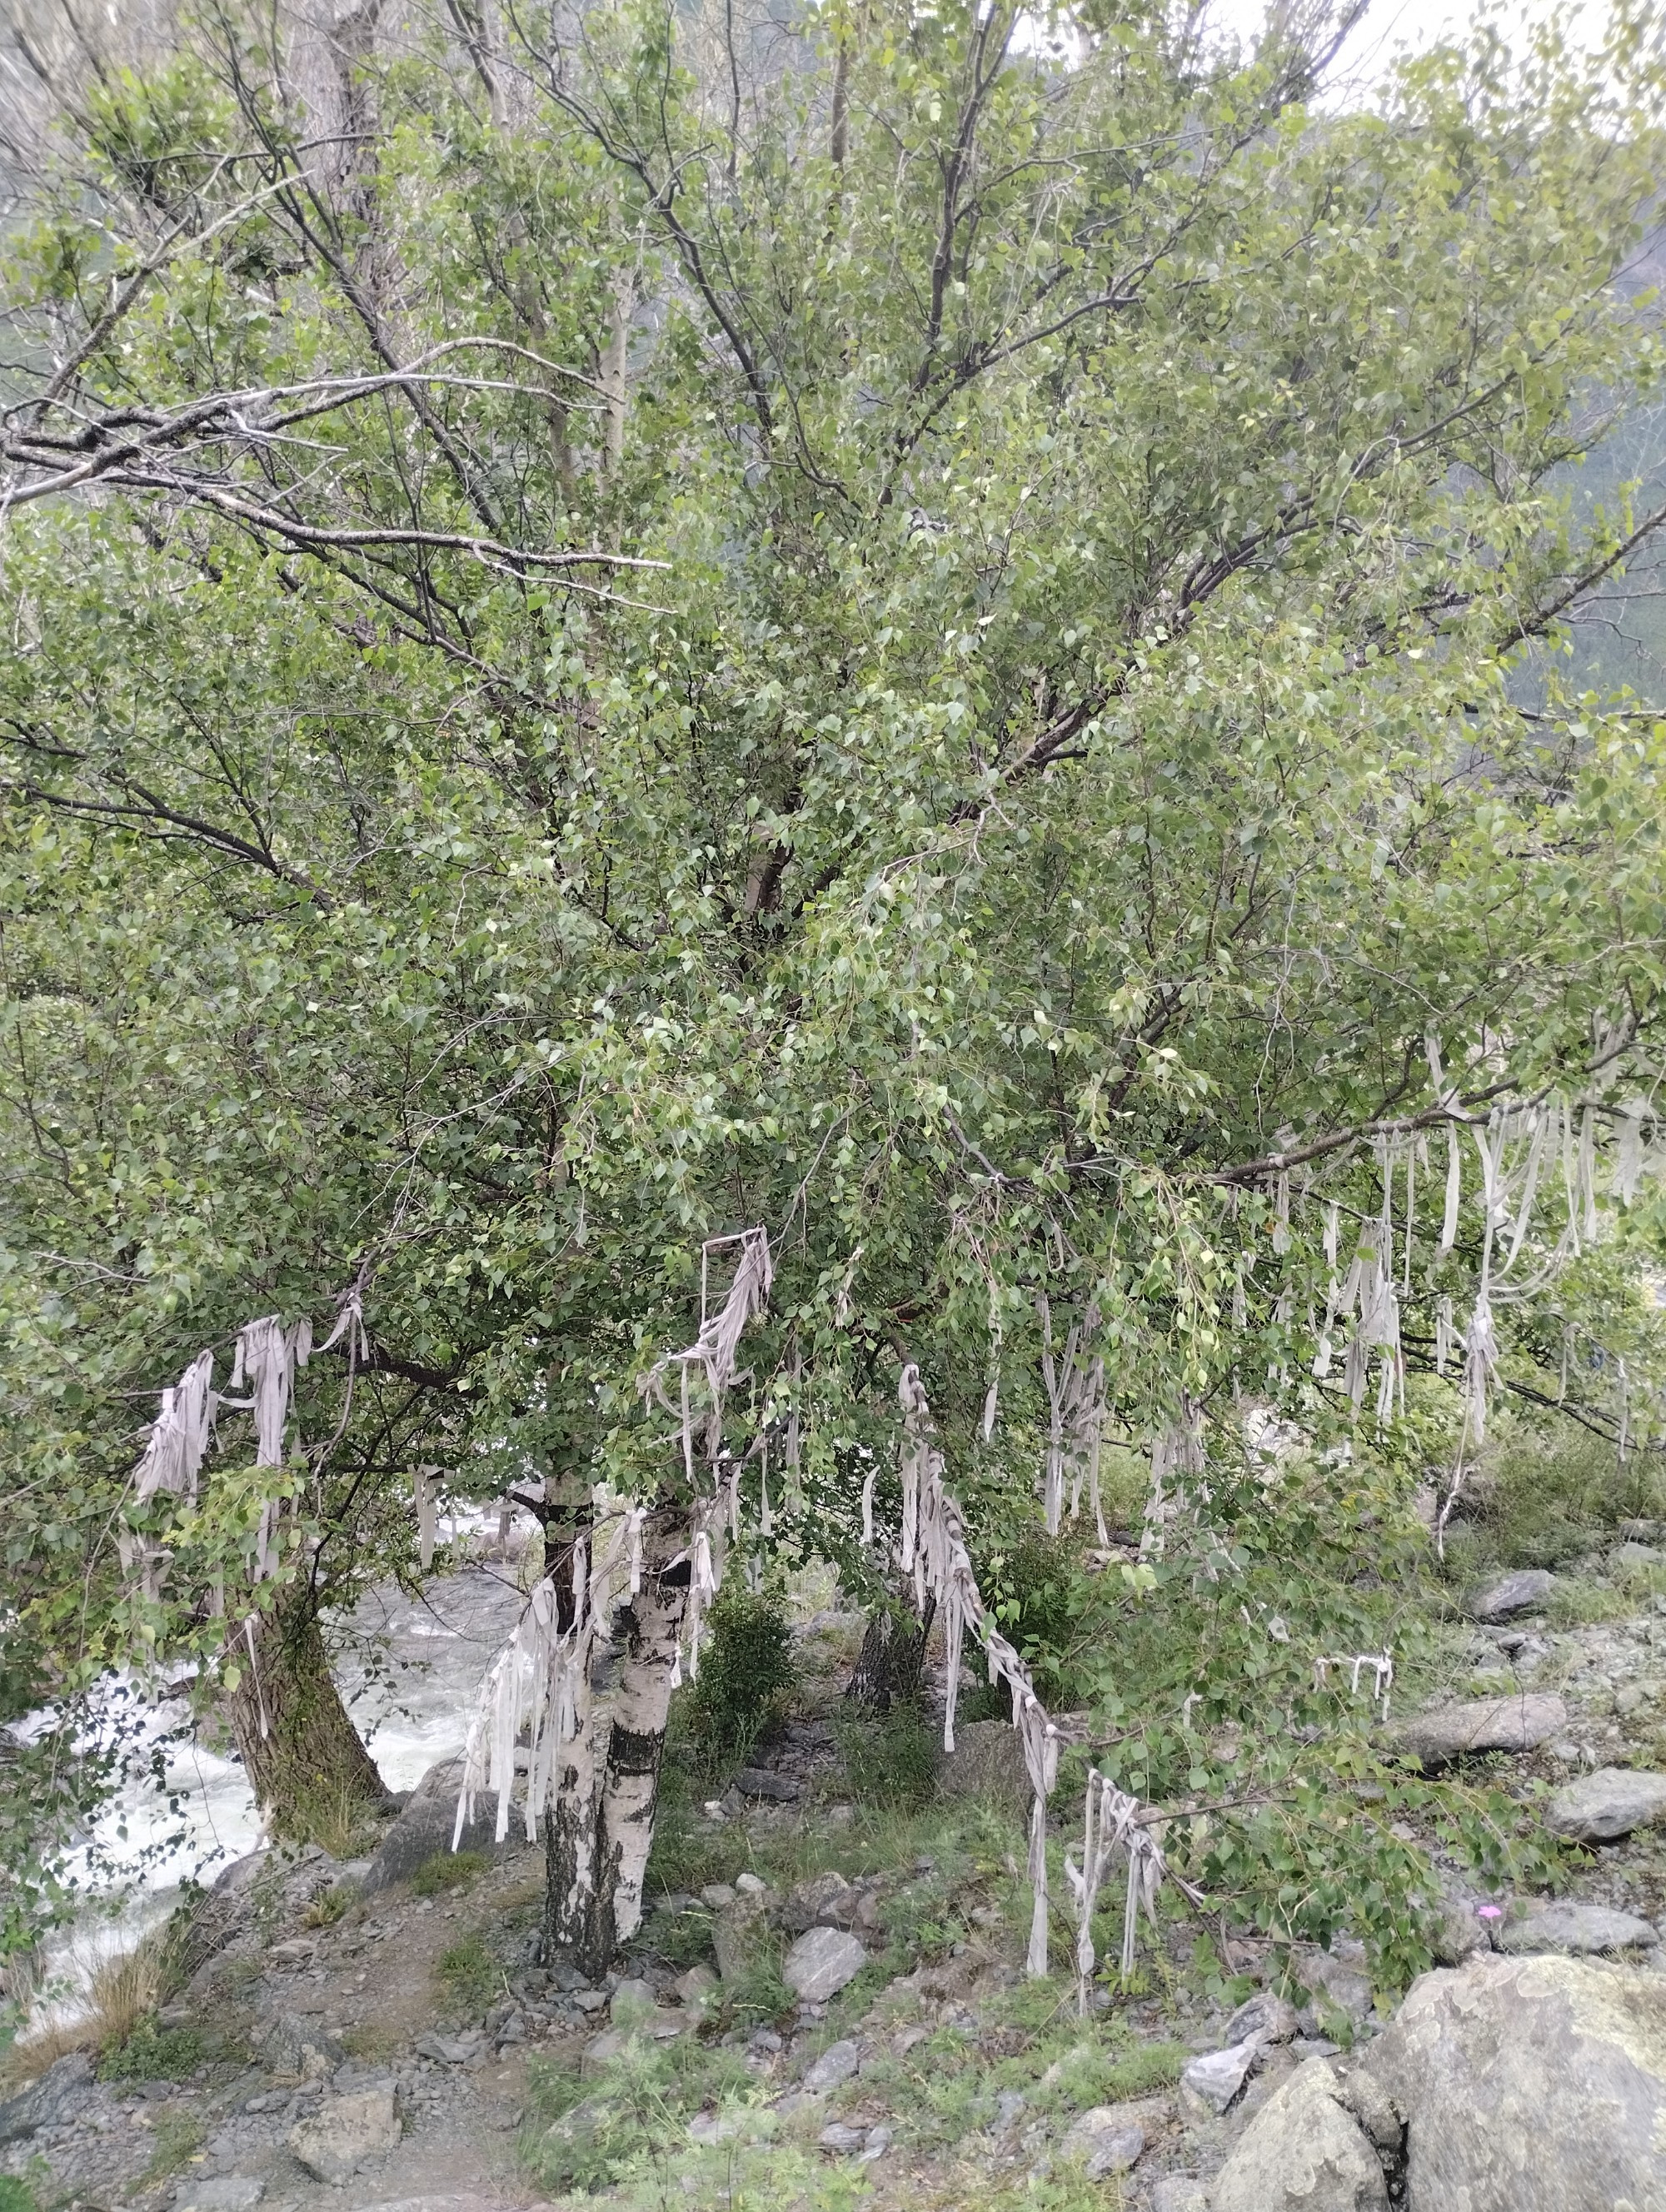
[639,1709]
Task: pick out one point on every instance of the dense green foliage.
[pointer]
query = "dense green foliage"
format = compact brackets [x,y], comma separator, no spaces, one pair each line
[745,1673]
[1052,765]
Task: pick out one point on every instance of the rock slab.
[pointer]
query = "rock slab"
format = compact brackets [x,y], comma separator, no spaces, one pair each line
[1509,1594]
[1434,1739]
[1105,2140]
[220,2192]
[336,2141]
[1303,2152]
[1179,2192]
[1530,2085]
[838,2064]
[1272,2018]
[821,1963]
[1599,1808]
[1212,2081]
[736,1933]
[45,2102]
[1579,1930]
[424,1830]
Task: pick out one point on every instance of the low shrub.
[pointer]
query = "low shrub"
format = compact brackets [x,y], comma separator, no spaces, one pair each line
[152,2053]
[746,1673]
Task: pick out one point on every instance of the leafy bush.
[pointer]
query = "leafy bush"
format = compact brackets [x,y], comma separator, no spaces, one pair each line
[152,2053]
[447,1870]
[15,2195]
[746,1673]
[891,1760]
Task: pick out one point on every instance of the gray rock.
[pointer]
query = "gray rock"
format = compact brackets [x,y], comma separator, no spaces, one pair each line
[821,1963]
[221,2192]
[424,1830]
[1612,1801]
[708,2127]
[1008,2105]
[1272,2018]
[826,1901]
[1339,1983]
[632,2003]
[1179,2192]
[1435,1738]
[1105,2140]
[1647,1697]
[1509,1594]
[1459,1931]
[1303,2152]
[837,2064]
[450,2050]
[839,2136]
[46,2103]
[1576,1929]
[1531,2085]
[759,1782]
[1212,2081]
[1629,1555]
[715,1895]
[737,1934]
[987,1763]
[336,2141]
[1370,2105]
[696,1988]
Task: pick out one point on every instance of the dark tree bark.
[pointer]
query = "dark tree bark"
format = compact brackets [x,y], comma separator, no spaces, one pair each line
[305,1761]
[893,1655]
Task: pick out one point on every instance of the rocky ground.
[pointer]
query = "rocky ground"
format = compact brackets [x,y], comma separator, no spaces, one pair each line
[826,2005]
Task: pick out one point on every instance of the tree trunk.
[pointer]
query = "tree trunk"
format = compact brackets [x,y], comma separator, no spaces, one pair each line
[599,1833]
[635,1746]
[892,1657]
[305,1759]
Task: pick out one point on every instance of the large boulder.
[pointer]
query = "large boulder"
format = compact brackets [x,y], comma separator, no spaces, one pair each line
[1303,2152]
[1599,1808]
[424,1830]
[1497,1601]
[1436,1738]
[1530,2085]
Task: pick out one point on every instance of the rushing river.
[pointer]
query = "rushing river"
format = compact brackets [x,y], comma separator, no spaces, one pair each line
[409,1668]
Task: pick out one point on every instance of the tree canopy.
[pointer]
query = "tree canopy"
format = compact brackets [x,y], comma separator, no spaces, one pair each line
[628,622]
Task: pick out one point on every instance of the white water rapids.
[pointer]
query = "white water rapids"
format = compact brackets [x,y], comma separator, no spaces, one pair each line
[409,1670]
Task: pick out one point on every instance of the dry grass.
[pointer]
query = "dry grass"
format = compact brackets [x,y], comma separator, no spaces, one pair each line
[120,1992]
